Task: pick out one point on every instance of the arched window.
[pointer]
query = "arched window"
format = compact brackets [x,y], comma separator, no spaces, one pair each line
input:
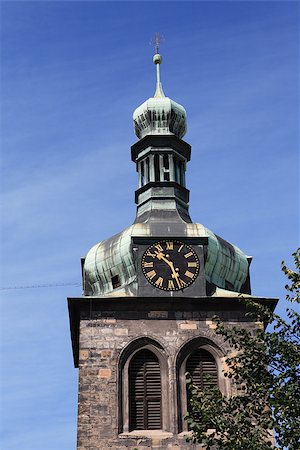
[200,357]
[144,392]
[203,368]
[144,388]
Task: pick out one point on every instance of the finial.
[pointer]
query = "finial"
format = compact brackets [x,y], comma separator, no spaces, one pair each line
[157,59]
[158,40]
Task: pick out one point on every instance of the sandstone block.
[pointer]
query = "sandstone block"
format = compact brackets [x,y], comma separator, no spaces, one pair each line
[107,330]
[188,326]
[211,324]
[105,353]
[110,321]
[104,373]
[83,354]
[121,331]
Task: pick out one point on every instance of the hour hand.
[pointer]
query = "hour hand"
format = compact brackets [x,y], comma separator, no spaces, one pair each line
[163,257]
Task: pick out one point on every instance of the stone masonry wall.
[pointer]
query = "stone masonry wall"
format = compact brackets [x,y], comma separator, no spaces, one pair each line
[104,334]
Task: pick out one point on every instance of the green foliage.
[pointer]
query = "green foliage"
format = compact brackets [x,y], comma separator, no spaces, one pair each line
[265,372]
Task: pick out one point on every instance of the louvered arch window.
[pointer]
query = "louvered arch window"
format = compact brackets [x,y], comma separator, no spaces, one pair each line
[144,392]
[203,368]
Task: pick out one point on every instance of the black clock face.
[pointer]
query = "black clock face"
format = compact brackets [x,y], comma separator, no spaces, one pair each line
[170,265]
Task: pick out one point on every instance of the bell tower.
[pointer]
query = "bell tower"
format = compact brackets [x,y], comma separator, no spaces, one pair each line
[149,295]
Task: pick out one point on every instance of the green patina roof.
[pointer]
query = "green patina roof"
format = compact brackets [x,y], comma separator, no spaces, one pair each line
[225,265]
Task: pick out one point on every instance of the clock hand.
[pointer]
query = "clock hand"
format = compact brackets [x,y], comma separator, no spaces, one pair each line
[160,255]
[175,275]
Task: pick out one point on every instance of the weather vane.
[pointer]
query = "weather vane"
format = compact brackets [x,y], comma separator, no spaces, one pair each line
[156,41]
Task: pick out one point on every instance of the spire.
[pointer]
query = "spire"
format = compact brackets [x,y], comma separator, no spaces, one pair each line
[159,93]
[157,59]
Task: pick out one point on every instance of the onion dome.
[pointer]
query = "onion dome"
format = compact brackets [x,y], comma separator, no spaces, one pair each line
[159,114]
[110,269]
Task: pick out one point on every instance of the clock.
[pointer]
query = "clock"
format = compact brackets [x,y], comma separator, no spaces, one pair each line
[170,265]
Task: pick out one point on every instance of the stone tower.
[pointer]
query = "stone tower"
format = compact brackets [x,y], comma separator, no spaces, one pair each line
[149,295]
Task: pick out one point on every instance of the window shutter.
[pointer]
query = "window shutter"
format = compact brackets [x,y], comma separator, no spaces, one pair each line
[144,392]
[200,364]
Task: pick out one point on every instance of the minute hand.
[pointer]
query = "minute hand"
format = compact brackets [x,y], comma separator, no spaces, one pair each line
[160,255]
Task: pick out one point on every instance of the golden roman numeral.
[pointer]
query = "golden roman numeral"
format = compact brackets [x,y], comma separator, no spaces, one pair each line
[159,282]
[151,254]
[159,247]
[182,283]
[192,264]
[187,255]
[148,264]
[171,284]
[189,274]
[151,274]
[180,248]
[170,245]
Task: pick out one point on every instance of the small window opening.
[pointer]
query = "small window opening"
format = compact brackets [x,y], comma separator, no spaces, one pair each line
[142,173]
[156,168]
[229,286]
[177,171]
[181,173]
[166,161]
[148,170]
[166,167]
[115,281]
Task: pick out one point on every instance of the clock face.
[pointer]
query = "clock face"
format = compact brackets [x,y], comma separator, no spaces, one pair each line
[170,265]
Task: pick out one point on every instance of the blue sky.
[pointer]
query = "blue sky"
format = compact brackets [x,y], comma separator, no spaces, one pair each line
[72,74]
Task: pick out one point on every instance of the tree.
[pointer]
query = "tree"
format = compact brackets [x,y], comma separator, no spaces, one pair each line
[265,372]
